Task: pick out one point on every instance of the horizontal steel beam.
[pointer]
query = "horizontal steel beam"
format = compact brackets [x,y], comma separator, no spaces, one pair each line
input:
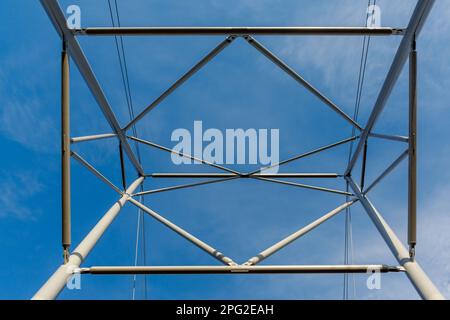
[237,31]
[93,137]
[242,269]
[229,175]
[222,177]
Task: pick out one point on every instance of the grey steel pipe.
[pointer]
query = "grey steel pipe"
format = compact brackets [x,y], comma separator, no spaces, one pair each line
[283,66]
[199,243]
[304,155]
[93,137]
[218,49]
[188,156]
[184,186]
[301,185]
[363,166]
[56,283]
[238,31]
[88,166]
[300,269]
[412,151]
[291,238]
[386,172]
[65,153]
[419,279]
[389,137]
[229,175]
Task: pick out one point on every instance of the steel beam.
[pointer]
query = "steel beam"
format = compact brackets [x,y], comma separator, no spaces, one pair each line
[238,31]
[304,155]
[122,167]
[305,186]
[93,137]
[412,151]
[188,156]
[363,166]
[199,243]
[51,289]
[386,172]
[291,238]
[184,186]
[59,21]
[88,166]
[389,137]
[65,153]
[229,175]
[415,25]
[419,279]
[295,269]
[283,66]
[218,49]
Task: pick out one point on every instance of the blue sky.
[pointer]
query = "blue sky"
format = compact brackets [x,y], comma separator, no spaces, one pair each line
[238,89]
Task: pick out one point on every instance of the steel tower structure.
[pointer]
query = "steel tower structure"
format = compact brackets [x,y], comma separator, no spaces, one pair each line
[74,259]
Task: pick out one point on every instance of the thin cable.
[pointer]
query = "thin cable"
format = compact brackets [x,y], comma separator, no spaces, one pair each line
[124,69]
[349,249]
[136,253]
[120,47]
[144,249]
[127,80]
[134,130]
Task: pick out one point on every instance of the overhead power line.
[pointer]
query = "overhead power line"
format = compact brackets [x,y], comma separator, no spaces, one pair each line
[140,228]
[348,251]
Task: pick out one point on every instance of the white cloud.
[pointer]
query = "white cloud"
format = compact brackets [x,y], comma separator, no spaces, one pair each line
[16,191]
[23,120]
[24,116]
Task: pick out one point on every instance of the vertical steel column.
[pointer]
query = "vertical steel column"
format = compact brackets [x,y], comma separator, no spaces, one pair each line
[412,150]
[65,151]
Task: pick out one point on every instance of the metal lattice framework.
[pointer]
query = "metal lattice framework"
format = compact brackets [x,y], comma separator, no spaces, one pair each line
[405,257]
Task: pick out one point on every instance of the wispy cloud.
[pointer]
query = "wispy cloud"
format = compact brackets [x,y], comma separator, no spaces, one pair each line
[17,190]
[24,116]
[23,121]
